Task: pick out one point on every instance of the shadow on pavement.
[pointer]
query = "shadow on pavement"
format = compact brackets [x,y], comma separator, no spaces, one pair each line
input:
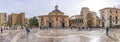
[113,38]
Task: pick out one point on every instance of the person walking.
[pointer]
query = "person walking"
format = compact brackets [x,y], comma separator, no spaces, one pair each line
[1,30]
[27,30]
[90,28]
[79,28]
[107,31]
[83,28]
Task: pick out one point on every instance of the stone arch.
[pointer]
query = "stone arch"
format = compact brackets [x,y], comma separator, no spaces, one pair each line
[90,23]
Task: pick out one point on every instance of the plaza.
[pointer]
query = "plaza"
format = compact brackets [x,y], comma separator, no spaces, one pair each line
[60,21]
[60,35]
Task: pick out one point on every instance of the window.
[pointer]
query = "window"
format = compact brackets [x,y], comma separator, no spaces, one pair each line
[113,17]
[116,17]
[110,17]
[82,20]
[42,18]
[110,21]
[116,11]
[102,11]
[110,11]
[49,18]
[63,19]
[116,22]
[56,18]
[78,20]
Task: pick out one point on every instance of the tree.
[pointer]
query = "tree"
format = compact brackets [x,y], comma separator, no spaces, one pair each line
[33,22]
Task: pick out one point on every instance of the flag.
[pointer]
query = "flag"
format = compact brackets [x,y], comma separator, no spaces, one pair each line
[103,18]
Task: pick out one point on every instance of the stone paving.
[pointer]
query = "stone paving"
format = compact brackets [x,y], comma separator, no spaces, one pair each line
[60,35]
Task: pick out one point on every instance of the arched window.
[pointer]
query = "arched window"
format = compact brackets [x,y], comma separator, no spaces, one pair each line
[63,19]
[116,11]
[116,17]
[57,18]
[110,17]
[110,11]
[82,20]
[50,18]
[42,19]
[89,16]
[116,22]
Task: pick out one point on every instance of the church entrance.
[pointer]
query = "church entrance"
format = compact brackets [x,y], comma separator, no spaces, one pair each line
[89,23]
[50,24]
[63,24]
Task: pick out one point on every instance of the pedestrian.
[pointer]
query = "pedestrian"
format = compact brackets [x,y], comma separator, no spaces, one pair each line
[86,27]
[90,28]
[83,28]
[79,28]
[1,30]
[107,31]
[40,27]
[27,30]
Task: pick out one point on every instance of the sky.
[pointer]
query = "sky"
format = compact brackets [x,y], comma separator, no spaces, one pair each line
[43,7]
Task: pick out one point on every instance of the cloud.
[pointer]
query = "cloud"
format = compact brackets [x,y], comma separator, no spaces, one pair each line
[43,7]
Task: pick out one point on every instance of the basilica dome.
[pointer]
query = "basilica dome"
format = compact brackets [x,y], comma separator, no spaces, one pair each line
[56,11]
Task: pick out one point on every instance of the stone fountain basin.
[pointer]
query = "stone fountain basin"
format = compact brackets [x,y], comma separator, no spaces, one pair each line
[59,36]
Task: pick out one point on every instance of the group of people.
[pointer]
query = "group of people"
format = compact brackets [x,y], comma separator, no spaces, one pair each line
[89,28]
[82,28]
[3,28]
[26,28]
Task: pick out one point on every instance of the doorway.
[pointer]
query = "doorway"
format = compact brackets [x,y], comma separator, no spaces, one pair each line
[50,24]
[89,23]
[63,24]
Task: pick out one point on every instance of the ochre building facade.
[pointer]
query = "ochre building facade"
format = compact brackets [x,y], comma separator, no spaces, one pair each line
[3,19]
[16,19]
[54,19]
[110,17]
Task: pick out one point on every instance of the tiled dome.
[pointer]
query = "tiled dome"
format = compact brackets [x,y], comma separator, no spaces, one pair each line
[56,11]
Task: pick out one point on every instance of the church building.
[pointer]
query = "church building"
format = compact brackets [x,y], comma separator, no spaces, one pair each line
[86,18]
[54,19]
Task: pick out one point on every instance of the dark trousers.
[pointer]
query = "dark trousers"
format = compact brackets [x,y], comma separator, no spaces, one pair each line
[107,33]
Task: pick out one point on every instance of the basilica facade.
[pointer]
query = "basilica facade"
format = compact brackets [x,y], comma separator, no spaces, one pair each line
[86,18]
[54,19]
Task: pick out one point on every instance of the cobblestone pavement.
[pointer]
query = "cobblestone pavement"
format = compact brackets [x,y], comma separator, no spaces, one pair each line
[61,35]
